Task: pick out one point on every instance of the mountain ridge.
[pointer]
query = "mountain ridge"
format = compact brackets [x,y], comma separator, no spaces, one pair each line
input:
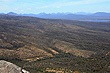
[68,16]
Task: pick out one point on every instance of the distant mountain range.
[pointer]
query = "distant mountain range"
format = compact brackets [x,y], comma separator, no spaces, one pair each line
[68,16]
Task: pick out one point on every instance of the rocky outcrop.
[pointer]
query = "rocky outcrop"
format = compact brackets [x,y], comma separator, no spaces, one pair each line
[7,67]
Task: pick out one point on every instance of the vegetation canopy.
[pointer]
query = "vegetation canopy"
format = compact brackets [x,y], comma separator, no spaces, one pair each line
[52,45]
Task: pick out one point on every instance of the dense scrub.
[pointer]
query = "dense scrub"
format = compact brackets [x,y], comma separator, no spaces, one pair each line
[45,45]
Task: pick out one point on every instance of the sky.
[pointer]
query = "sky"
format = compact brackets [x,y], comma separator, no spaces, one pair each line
[54,6]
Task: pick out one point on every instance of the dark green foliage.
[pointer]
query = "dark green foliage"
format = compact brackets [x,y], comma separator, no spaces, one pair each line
[17,32]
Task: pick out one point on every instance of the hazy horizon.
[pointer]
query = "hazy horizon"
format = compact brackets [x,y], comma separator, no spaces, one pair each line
[54,6]
[85,13]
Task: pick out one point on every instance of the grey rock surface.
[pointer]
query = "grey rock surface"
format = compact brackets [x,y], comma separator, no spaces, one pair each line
[7,67]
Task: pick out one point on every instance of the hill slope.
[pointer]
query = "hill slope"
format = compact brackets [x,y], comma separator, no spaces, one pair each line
[33,40]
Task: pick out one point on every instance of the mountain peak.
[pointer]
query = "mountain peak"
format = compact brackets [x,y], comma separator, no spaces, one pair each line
[12,13]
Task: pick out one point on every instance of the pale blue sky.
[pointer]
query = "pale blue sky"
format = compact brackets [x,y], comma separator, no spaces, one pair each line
[54,6]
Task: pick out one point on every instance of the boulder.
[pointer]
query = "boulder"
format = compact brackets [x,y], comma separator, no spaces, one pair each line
[7,67]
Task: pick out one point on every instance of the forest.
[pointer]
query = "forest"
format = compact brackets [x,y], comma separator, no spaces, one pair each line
[55,45]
